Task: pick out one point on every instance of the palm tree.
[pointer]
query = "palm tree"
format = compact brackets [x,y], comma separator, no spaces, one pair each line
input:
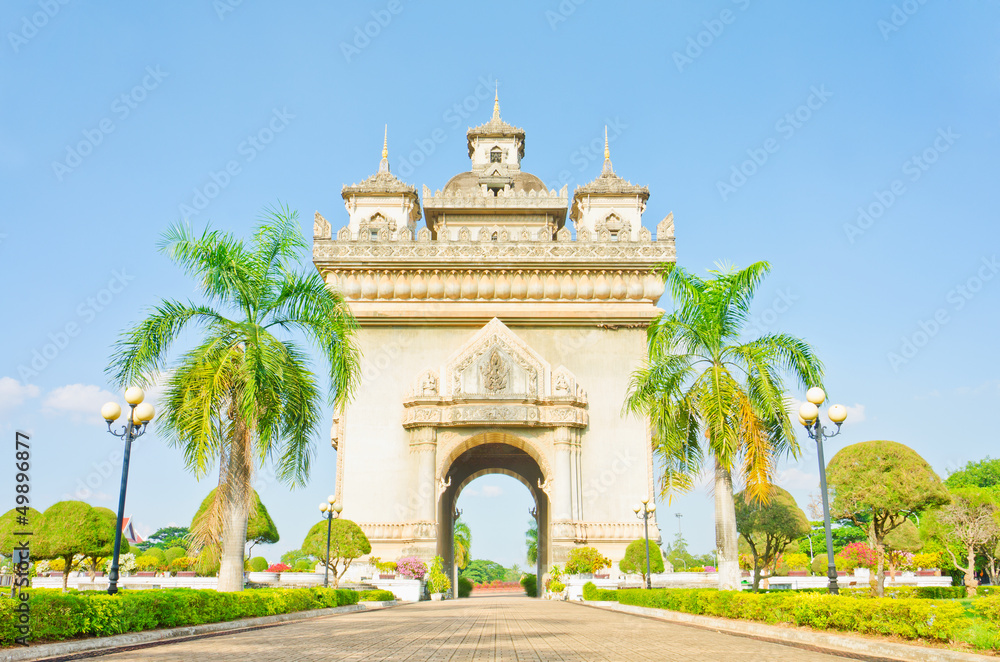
[463,544]
[244,395]
[703,378]
[531,540]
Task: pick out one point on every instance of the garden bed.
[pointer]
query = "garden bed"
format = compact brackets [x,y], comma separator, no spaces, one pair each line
[57,616]
[969,623]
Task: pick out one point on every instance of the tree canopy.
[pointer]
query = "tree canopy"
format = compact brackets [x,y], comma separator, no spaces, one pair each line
[347,542]
[69,528]
[984,473]
[483,571]
[634,561]
[877,485]
[769,526]
[167,537]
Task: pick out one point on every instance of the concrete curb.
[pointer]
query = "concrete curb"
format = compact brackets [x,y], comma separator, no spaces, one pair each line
[833,643]
[105,645]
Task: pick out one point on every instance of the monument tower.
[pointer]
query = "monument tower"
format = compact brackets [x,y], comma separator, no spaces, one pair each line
[496,340]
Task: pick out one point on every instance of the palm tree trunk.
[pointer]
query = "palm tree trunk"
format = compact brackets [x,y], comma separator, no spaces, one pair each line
[725,530]
[237,495]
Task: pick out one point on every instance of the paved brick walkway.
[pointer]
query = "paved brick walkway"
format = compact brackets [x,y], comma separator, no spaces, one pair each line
[478,629]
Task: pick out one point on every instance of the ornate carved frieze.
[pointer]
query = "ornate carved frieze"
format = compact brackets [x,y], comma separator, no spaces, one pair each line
[495,377]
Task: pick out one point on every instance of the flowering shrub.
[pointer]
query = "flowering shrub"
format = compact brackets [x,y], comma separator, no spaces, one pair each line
[796,561]
[557,587]
[857,555]
[182,563]
[279,567]
[899,560]
[586,559]
[929,561]
[412,567]
[126,563]
[148,562]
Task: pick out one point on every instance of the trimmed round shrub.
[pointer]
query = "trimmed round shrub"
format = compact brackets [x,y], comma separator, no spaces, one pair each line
[464,587]
[258,564]
[557,587]
[156,552]
[174,553]
[304,565]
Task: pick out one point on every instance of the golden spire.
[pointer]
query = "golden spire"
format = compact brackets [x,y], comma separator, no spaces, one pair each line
[383,165]
[496,101]
[607,169]
[385,142]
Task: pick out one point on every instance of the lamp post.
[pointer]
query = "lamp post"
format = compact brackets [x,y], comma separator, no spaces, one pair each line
[140,414]
[643,511]
[331,510]
[809,418]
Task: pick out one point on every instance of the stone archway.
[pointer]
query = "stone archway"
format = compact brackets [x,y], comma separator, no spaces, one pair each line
[493,453]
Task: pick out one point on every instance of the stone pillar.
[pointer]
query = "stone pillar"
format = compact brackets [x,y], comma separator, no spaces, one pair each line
[562,507]
[423,442]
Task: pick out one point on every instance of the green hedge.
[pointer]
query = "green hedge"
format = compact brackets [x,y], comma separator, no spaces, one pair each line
[591,592]
[56,615]
[376,596]
[988,608]
[464,587]
[530,584]
[905,617]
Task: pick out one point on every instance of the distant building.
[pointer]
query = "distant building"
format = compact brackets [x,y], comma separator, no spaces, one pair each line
[129,533]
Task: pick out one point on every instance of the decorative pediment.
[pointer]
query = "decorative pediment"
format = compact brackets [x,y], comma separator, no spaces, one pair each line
[496,378]
[496,363]
[321,227]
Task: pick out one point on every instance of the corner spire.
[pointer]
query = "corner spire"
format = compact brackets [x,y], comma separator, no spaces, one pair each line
[496,101]
[383,165]
[607,169]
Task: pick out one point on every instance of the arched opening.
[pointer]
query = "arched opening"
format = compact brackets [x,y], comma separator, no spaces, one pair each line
[493,453]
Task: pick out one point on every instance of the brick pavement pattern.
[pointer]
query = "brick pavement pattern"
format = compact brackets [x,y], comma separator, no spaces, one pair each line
[478,629]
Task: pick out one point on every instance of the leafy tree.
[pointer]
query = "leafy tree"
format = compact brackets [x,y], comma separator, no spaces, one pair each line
[463,544]
[347,542]
[905,538]
[769,526]
[634,562]
[531,540]
[104,521]
[843,534]
[703,382]
[8,525]
[72,531]
[245,393]
[972,519]
[484,571]
[585,560]
[293,556]
[984,473]
[878,485]
[167,537]
[260,526]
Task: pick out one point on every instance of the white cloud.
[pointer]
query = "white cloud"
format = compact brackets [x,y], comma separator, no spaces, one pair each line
[81,402]
[856,413]
[490,491]
[13,393]
[796,479]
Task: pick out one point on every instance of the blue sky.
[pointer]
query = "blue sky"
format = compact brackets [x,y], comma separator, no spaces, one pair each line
[852,145]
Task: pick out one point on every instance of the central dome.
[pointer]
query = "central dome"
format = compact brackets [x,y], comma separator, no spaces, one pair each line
[469,182]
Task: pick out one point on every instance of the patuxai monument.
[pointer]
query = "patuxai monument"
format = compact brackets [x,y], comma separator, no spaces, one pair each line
[499,337]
